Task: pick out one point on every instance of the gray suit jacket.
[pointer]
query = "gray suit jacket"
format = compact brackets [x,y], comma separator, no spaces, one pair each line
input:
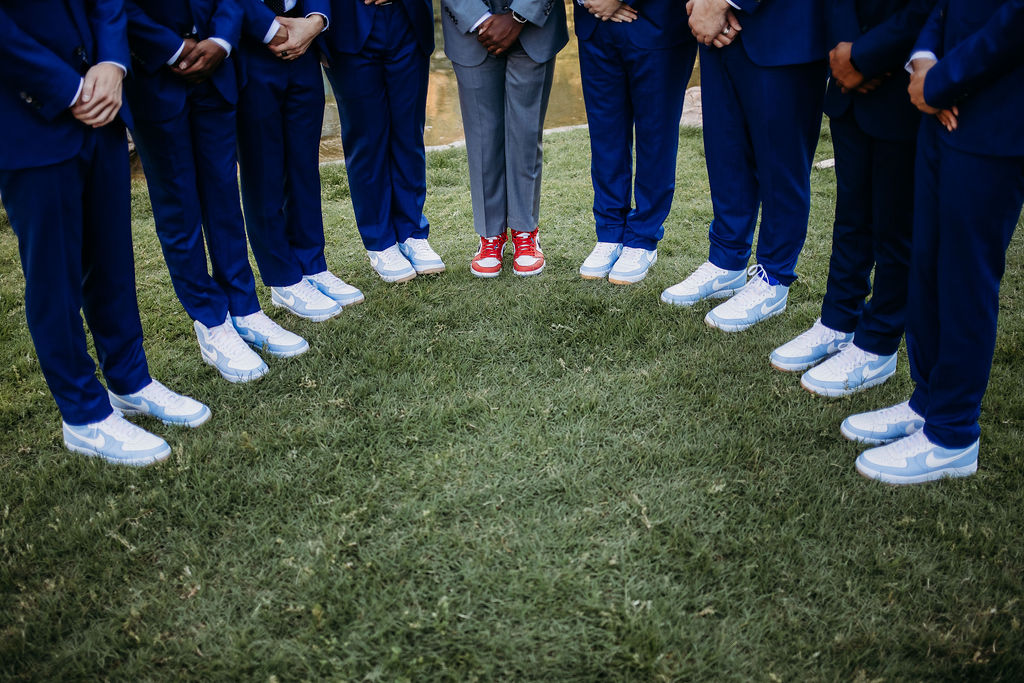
[542,37]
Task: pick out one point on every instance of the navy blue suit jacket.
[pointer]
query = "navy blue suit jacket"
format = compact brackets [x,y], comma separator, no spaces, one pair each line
[981,70]
[45,48]
[155,31]
[661,23]
[883,33]
[782,32]
[351,21]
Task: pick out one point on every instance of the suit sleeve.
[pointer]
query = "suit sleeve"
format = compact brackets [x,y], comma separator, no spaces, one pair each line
[152,44]
[227,22]
[318,7]
[992,50]
[464,13]
[930,38]
[257,19]
[33,70]
[534,11]
[109,25]
[885,47]
[748,5]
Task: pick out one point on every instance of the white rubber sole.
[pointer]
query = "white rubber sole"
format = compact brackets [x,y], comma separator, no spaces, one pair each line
[138,462]
[317,318]
[720,294]
[738,327]
[830,392]
[886,478]
[202,419]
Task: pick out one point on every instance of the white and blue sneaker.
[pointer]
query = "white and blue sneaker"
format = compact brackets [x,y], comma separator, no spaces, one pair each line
[261,332]
[882,426]
[757,300]
[849,371]
[707,282]
[422,256]
[599,262]
[116,440]
[305,300]
[632,265]
[915,460]
[391,264]
[332,286]
[222,348]
[160,402]
[809,348]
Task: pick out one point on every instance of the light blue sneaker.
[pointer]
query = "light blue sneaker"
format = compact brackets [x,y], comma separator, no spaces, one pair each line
[330,285]
[116,440]
[758,300]
[157,400]
[915,460]
[422,256]
[222,348]
[882,426]
[261,332]
[391,264]
[707,282]
[305,300]
[849,371]
[809,348]
[632,265]
[599,262]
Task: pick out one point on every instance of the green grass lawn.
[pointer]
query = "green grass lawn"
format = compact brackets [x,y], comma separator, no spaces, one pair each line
[542,478]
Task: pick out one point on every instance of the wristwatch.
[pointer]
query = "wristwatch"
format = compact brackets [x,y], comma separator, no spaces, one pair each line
[518,17]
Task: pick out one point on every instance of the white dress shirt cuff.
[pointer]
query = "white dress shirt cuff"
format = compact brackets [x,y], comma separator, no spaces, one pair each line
[920,54]
[327,22]
[734,5]
[274,28]
[78,93]
[174,60]
[485,17]
[224,44]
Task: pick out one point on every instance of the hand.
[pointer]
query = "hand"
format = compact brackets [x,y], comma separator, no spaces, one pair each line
[624,14]
[605,9]
[707,18]
[498,32]
[280,37]
[100,99]
[916,88]
[949,117]
[376,2]
[842,67]
[302,31]
[869,86]
[730,32]
[201,62]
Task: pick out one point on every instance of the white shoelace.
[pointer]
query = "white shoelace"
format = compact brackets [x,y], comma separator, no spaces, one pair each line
[632,256]
[392,258]
[898,413]
[161,395]
[850,357]
[306,292]
[756,289]
[707,272]
[260,323]
[225,338]
[817,335]
[328,280]
[119,428]
[604,249]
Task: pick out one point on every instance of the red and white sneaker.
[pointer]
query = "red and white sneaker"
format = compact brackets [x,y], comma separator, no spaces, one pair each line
[528,259]
[487,261]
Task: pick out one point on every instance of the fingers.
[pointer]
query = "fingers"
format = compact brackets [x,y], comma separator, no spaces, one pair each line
[948,119]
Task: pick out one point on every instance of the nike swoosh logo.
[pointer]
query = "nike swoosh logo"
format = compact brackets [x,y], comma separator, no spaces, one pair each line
[96,442]
[766,309]
[932,461]
[719,285]
[868,373]
[288,300]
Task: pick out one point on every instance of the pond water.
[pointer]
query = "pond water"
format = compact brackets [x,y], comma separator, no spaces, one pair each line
[444,121]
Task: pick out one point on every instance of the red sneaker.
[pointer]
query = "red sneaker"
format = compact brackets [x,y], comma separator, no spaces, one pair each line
[528,258]
[487,262]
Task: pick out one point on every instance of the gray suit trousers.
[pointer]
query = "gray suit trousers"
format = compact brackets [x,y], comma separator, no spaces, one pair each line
[504,101]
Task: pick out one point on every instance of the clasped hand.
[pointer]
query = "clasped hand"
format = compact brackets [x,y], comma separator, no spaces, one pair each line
[712,22]
[198,60]
[100,99]
[611,10]
[498,32]
[295,36]
[921,67]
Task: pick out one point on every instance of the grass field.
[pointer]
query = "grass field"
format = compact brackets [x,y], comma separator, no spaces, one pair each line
[544,478]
